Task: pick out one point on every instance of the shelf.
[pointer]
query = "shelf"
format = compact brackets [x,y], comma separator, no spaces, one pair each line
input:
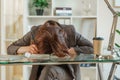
[62,17]
[49,17]
[90,17]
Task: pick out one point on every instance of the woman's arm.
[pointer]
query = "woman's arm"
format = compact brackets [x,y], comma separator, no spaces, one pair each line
[23,42]
[22,45]
[83,45]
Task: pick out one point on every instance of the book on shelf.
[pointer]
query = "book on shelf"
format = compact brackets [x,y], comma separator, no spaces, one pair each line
[67,21]
[61,21]
[63,11]
[64,21]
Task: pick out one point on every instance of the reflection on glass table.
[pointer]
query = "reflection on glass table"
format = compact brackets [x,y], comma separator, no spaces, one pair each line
[47,59]
[42,59]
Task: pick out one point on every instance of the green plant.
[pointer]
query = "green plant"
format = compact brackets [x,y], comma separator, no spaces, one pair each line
[116,44]
[118,13]
[40,4]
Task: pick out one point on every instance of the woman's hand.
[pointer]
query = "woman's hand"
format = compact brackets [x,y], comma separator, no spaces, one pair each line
[31,49]
[72,52]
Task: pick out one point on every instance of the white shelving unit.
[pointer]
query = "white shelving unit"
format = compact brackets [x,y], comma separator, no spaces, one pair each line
[84,15]
[84,18]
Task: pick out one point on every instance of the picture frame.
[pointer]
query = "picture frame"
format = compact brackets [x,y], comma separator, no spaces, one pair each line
[116,3]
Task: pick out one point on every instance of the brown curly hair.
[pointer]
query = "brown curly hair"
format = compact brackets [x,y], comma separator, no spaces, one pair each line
[50,38]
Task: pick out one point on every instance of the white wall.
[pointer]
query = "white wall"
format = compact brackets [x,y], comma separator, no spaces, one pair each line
[105,21]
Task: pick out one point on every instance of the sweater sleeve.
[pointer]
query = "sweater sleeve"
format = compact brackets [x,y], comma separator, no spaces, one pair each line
[24,41]
[83,45]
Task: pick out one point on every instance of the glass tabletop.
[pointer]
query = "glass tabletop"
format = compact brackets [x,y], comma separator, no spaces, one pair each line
[46,59]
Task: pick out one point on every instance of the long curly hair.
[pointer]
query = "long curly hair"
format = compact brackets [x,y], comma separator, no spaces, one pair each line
[50,38]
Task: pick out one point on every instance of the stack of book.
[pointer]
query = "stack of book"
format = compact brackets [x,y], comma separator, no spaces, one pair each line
[64,21]
[63,11]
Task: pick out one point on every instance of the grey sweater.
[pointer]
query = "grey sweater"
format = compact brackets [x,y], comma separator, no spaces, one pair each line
[75,40]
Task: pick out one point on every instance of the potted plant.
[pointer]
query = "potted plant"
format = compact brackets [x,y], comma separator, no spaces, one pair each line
[40,6]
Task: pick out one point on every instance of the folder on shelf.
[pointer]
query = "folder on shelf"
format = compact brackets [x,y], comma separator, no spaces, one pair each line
[63,11]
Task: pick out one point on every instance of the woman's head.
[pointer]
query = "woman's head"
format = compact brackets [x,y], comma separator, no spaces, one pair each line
[50,38]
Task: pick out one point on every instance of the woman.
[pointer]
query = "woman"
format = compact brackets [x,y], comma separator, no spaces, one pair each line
[52,37]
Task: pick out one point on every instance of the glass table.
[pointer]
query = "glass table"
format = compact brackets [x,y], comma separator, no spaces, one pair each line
[46,59]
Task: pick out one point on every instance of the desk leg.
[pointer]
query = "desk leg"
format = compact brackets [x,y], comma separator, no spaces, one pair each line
[112,71]
[99,71]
